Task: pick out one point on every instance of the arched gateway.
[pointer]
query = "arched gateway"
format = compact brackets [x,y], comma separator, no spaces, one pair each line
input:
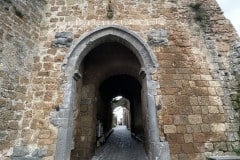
[105,63]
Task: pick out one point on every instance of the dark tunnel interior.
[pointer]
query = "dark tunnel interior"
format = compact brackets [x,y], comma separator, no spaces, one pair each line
[109,70]
[127,87]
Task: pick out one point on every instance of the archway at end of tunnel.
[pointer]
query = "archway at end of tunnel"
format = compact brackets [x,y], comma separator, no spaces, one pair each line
[109,70]
[121,112]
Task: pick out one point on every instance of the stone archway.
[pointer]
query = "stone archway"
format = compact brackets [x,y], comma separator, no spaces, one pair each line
[64,118]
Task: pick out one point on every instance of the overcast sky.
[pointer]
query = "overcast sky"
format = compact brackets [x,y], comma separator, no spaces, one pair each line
[231,9]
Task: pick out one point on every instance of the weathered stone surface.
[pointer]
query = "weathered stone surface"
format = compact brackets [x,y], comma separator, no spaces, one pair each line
[20,151]
[224,158]
[40,153]
[158,37]
[25,158]
[63,39]
[195,119]
[198,71]
[170,129]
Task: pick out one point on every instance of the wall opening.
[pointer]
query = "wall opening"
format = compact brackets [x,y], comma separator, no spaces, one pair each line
[121,111]
[109,70]
[101,55]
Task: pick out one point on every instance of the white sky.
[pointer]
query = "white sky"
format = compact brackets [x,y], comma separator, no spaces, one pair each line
[231,9]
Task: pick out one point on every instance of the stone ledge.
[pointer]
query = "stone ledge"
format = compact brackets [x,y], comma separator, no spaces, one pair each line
[224,158]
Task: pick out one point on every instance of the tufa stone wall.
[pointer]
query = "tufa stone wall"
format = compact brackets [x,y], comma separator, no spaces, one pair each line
[196,47]
[19,37]
[197,110]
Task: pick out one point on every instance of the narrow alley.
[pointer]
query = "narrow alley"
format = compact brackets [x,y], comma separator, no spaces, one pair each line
[120,146]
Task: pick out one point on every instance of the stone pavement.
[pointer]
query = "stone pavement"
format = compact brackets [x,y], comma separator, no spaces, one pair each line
[120,146]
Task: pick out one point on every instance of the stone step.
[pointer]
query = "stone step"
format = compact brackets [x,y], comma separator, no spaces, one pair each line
[224,158]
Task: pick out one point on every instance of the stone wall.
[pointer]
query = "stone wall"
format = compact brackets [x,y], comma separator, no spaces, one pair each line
[19,36]
[197,51]
[197,110]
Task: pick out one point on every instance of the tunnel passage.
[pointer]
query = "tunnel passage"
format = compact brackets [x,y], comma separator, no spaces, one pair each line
[127,87]
[109,70]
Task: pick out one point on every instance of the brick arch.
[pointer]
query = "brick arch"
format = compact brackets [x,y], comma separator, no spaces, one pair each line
[63,119]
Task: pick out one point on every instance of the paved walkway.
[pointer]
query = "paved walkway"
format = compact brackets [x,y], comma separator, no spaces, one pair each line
[120,146]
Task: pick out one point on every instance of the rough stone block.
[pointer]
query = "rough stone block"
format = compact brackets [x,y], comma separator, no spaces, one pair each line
[170,129]
[168,119]
[188,138]
[171,137]
[71,2]
[203,100]
[213,118]
[200,137]
[43,142]
[215,100]
[63,38]
[196,110]
[213,109]
[185,110]
[193,128]
[218,136]
[168,100]
[199,147]
[39,124]
[221,146]
[181,129]
[188,148]
[205,128]
[175,148]
[181,119]
[25,158]
[20,151]
[44,134]
[13,125]
[214,84]
[232,127]
[59,58]
[59,122]
[232,136]
[218,127]
[208,146]
[195,119]
[158,37]
[41,152]
[2,102]
[194,101]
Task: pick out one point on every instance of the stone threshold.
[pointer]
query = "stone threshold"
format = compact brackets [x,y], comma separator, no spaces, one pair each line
[224,158]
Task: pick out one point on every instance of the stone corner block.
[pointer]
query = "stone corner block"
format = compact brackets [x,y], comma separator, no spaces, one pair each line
[158,37]
[63,39]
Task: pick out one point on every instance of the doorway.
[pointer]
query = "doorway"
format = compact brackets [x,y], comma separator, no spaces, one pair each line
[109,70]
[107,62]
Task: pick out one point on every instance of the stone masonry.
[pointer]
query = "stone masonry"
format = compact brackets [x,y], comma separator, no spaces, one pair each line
[198,56]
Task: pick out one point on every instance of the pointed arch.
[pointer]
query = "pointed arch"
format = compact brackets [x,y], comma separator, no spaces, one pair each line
[111,33]
[63,119]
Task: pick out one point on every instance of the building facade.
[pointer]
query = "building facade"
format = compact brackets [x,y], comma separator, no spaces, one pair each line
[63,61]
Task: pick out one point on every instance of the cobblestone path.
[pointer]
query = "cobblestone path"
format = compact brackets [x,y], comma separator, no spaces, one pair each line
[120,146]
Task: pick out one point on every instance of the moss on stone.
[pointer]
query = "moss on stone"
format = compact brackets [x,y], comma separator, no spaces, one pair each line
[18,12]
[200,14]
[7,1]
